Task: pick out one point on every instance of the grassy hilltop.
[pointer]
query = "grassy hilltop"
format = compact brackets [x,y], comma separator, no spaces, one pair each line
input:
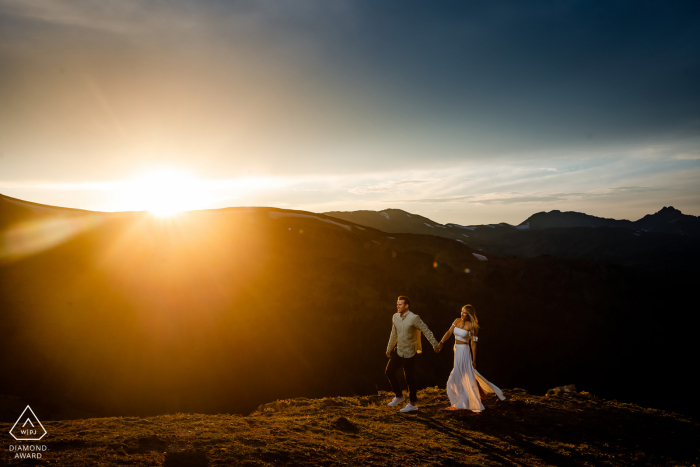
[569,429]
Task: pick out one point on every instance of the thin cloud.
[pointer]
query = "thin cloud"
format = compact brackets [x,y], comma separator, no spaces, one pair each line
[532,198]
[625,189]
[386,186]
[115,17]
[687,156]
[493,198]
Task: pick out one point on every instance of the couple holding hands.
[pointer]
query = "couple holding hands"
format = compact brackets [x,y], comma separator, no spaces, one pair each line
[464,384]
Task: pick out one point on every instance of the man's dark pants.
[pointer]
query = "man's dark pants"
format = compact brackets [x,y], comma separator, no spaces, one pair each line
[409,370]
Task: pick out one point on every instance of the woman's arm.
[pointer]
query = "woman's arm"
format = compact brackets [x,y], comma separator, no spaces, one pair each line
[447,334]
[473,344]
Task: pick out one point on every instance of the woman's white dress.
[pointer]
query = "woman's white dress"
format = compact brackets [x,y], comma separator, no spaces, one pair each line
[462,386]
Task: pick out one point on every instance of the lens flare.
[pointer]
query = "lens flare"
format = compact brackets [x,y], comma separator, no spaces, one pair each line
[41,234]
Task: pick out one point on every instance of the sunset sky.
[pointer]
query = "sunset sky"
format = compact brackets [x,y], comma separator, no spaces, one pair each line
[465,112]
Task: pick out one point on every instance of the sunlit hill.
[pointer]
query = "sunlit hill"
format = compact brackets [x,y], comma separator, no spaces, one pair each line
[221,311]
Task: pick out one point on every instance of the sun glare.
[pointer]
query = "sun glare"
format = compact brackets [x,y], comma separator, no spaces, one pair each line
[165,192]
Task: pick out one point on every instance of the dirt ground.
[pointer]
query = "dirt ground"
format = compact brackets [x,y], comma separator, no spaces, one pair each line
[528,430]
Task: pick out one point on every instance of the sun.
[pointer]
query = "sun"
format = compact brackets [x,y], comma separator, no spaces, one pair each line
[165,192]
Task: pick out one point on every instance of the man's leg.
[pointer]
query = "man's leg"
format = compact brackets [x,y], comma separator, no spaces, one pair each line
[394,364]
[409,369]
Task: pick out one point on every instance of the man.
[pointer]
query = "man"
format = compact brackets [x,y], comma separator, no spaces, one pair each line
[405,334]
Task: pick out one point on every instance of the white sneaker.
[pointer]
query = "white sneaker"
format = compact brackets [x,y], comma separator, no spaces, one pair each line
[409,408]
[396,400]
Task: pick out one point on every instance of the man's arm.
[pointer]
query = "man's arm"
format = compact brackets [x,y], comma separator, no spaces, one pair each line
[418,323]
[392,339]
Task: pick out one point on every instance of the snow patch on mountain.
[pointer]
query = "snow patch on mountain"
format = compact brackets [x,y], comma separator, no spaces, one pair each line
[461,227]
[480,257]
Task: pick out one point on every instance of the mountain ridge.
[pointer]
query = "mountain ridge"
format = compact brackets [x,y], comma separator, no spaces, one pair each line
[665,242]
[133,314]
[666,220]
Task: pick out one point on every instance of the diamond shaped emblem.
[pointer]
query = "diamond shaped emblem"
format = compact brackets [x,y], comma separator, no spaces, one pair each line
[28,427]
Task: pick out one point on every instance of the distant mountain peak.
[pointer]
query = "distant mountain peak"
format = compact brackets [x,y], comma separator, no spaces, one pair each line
[669,212]
[559,219]
[667,220]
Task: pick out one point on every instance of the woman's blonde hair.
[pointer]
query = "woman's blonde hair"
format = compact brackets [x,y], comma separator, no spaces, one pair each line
[471,314]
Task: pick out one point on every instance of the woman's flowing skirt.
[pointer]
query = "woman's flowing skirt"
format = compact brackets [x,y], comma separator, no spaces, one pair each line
[462,386]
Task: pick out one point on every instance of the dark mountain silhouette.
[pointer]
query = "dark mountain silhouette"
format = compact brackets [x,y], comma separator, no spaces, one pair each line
[667,220]
[667,242]
[558,219]
[222,310]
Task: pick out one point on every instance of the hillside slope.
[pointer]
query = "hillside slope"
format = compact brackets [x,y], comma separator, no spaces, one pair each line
[219,311]
[565,430]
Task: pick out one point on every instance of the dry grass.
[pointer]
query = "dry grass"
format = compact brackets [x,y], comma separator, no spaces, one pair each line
[577,429]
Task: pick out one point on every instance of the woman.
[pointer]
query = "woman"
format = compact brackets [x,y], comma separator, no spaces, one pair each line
[465,382]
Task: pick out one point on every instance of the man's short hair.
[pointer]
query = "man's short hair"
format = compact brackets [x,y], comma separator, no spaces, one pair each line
[406,300]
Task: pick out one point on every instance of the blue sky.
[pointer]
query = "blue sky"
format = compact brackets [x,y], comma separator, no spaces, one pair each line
[467,112]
